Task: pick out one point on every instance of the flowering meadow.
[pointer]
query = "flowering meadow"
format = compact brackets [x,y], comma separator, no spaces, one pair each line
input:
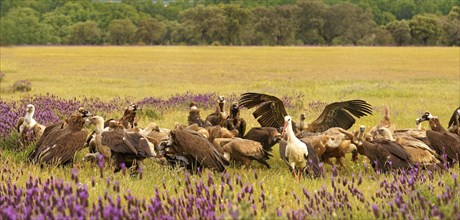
[163,81]
[87,190]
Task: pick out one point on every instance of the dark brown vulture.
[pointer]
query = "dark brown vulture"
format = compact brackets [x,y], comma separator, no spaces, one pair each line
[218,117]
[26,124]
[270,112]
[384,155]
[194,117]
[244,151]
[267,136]
[445,143]
[59,143]
[234,121]
[197,150]
[126,147]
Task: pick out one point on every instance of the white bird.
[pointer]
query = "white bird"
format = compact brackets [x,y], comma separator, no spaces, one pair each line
[296,151]
[27,123]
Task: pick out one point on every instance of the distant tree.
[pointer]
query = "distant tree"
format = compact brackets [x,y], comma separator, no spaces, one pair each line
[276,25]
[22,26]
[400,31]
[150,31]
[78,11]
[451,27]
[348,23]
[236,19]
[383,37]
[311,18]
[425,29]
[60,25]
[204,22]
[85,33]
[121,31]
[403,9]
[109,12]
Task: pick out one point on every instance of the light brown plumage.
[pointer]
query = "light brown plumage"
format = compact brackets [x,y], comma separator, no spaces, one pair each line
[244,151]
[28,128]
[384,123]
[421,153]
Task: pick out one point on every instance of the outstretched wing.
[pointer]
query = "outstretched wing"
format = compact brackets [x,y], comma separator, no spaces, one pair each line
[340,114]
[270,110]
[453,120]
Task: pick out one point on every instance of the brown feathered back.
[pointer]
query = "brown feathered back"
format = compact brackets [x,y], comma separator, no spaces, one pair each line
[197,149]
[59,145]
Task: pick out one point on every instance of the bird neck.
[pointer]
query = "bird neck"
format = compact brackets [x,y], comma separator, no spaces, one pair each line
[99,128]
[29,118]
[387,135]
[291,138]
[221,106]
[418,126]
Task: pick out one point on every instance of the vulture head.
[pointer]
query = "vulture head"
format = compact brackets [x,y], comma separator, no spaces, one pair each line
[98,121]
[302,117]
[193,106]
[30,109]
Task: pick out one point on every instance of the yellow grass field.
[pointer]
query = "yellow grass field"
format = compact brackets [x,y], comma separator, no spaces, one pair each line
[410,80]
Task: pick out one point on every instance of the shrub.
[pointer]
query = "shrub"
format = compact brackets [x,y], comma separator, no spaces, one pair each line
[22,86]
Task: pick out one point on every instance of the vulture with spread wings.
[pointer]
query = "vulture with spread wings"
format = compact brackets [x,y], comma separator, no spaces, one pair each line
[270,112]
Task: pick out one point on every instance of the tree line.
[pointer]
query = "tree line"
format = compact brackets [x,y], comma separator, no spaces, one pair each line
[228,22]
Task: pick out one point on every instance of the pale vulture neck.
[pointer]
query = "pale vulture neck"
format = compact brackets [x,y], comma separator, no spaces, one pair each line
[418,126]
[387,134]
[99,127]
[29,118]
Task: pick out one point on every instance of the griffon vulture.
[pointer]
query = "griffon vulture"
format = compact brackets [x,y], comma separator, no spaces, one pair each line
[27,123]
[384,123]
[421,153]
[270,112]
[244,151]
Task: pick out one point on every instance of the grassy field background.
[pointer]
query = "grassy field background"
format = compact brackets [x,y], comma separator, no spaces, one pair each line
[410,80]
